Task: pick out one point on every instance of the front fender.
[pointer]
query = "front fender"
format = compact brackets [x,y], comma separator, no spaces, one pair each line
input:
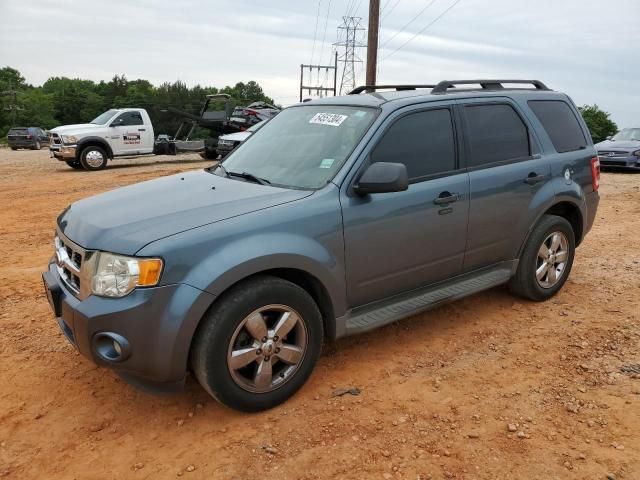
[93,140]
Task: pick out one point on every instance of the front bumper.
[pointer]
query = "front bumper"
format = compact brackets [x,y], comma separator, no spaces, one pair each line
[63,152]
[157,323]
[629,163]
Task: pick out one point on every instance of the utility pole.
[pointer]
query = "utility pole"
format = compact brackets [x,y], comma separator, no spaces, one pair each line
[351,27]
[372,41]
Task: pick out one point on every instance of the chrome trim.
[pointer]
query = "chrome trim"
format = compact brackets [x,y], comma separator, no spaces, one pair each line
[83,271]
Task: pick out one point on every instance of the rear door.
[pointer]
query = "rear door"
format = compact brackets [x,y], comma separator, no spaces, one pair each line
[399,241]
[506,175]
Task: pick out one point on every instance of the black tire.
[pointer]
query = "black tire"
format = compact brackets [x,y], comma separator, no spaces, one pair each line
[213,338]
[75,164]
[93,166]
[14,148]
[525,282]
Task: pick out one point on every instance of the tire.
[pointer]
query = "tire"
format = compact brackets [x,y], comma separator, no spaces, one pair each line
[37,146]
[93,158]
[259,302]
[535,279]
[75,164]
[14,148]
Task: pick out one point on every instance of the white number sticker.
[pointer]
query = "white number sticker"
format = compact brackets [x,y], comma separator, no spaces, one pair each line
[332,119]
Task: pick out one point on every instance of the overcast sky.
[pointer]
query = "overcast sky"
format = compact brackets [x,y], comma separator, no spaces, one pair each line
[588,49]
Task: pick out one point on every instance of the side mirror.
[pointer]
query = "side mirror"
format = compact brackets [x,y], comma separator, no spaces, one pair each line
[383,177]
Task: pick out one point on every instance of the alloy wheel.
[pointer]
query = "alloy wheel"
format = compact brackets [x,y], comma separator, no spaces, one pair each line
[552,259]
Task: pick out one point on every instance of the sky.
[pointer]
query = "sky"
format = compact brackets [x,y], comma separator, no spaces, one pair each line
[586,48]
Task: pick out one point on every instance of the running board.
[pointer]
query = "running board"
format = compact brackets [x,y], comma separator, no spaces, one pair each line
[401,306]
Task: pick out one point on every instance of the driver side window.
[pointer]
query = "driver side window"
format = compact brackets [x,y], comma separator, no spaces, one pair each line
[423,141]
[127,119]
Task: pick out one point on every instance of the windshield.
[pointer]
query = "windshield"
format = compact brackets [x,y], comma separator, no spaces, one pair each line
[302,147]
[104,118]
[628,134]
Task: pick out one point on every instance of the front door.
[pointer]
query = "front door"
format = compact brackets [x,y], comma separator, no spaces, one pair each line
[127,133]
[396,242]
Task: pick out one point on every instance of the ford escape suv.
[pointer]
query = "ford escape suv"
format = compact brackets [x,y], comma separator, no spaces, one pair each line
[339,216]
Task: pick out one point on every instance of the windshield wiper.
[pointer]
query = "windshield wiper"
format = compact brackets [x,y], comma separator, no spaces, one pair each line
[213,168]
[248,176]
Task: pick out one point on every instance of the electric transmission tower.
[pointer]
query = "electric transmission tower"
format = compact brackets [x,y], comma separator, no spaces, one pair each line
[351,29]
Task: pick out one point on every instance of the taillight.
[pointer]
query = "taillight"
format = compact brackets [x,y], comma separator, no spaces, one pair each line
[595,173]
[246,111]
[28,137]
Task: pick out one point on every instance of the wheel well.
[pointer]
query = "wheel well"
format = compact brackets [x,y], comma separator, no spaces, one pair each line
[572,214]
[94,143]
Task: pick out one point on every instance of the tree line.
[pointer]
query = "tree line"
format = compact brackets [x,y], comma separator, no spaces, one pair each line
[64,101]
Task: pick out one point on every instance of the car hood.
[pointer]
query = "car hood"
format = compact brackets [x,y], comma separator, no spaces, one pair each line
[126,219]
[622,145]
[76,129]
[236,137]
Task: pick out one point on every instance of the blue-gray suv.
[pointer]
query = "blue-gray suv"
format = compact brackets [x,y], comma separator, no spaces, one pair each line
[339,216]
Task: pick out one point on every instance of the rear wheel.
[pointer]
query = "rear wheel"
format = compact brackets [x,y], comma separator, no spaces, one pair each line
[93,158]
[258,344]
[546,260]
[74,164]
[37,146]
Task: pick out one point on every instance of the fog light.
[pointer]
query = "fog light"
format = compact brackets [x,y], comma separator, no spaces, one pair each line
[111,347]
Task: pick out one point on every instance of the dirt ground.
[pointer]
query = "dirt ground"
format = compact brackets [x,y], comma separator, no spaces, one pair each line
[440,392]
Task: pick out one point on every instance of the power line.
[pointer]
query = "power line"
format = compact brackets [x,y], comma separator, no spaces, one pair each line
[385,15]
[324,36]
[315,33]
[427,26]
[409,23]
[355,11]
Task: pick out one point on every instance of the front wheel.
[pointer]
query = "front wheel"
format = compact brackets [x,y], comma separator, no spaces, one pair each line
[546,260]
[258,344]
[93,158]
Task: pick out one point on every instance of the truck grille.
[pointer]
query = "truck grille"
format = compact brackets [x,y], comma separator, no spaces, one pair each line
[69,257]
[55,139]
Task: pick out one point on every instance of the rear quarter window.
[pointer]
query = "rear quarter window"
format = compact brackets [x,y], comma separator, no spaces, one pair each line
[560,123]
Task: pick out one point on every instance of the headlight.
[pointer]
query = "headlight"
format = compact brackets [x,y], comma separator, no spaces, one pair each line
[636,153]
[69,139]
[117,275]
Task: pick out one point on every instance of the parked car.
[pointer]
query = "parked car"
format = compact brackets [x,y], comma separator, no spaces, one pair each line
[27,137]
[226,143]
[115,133]
[339,216]
[256,112]
[621,151]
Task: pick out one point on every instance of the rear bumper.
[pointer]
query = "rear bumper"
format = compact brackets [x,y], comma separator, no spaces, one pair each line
[22,144]
[154,325]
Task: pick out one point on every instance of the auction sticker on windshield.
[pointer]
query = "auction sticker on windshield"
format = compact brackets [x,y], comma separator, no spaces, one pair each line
[332,119]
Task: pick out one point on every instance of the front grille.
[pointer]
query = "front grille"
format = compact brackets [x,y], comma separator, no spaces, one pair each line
[614,154]
[69,258]
[55,139]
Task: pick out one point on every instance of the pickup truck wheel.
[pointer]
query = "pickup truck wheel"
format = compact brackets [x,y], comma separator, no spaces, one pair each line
[546,260]
[258,344]
[93,158]
[74,164]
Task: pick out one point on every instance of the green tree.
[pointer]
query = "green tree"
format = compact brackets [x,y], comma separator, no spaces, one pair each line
[598,121]
[37,109]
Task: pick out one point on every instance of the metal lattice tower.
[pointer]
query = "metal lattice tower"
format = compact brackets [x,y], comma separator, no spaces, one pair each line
[351,29]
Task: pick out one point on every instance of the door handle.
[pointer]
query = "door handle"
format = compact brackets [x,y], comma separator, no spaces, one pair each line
[534,178]
[142,129]
[445,198]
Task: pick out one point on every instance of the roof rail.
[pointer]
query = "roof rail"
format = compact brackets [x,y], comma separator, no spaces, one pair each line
[398,88]
[443,86]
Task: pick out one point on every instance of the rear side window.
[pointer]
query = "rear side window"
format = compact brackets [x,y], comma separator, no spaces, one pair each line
[423,141]
[496,133]
[560,123]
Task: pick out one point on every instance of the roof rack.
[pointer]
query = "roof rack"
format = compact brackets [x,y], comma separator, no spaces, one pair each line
[443,86]
[368,88]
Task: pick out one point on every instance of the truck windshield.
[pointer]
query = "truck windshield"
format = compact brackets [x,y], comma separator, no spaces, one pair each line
[628,134]
[104,117]
[301,147]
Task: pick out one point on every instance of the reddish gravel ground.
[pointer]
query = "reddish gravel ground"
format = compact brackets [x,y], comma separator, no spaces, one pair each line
[440,392]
